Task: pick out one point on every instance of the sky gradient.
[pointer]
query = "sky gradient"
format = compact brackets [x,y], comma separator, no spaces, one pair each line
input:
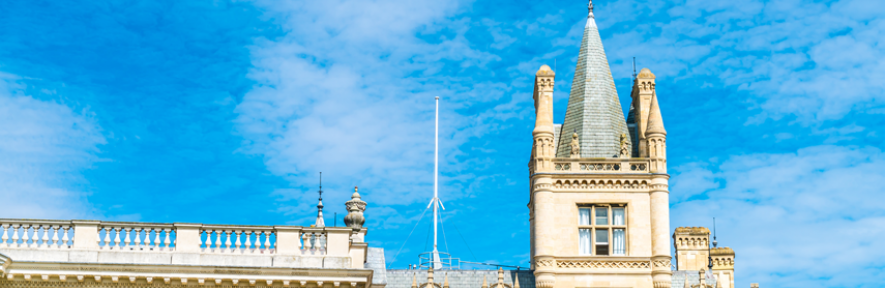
[224,112]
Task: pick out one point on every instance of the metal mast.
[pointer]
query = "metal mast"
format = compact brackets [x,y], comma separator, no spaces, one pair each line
[435,201]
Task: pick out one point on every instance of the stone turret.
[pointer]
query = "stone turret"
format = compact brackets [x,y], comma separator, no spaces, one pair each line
[640,107]
[543,148]
[656,138]
[692,247]
[723,265]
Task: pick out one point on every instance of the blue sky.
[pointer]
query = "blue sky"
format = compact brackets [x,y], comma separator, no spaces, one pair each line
[224,112]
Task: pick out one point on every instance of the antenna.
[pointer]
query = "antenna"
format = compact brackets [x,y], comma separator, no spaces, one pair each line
[433,259]
[436,186]
[320,222]
[709,252]
[714,232]
[634,67]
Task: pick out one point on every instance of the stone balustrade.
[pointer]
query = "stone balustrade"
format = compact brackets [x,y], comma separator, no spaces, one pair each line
[613,165]
[45,234]
[132,236]
[181,243]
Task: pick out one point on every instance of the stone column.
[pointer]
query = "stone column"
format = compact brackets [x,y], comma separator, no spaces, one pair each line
[544,240]
[660,230]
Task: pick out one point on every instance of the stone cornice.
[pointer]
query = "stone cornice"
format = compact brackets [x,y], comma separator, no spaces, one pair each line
[63,271]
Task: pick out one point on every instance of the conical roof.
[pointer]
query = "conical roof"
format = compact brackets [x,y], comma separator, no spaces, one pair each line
[594,110]
[655,121]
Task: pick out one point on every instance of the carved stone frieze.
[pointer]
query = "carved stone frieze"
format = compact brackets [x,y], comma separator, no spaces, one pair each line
[596,264]
[545,263]
[578,184]
[661,263]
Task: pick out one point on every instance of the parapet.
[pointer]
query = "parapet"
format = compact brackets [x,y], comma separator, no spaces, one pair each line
[693,230]
[721,251]
[84,241]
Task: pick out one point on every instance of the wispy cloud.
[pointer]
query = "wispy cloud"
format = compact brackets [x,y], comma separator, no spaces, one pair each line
[45,146]
[810,218]
[806,59]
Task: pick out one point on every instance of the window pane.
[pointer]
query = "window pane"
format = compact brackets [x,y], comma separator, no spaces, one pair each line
[618,242]
[602,250]
[601,236]
[584,216]
[584,235]
[601,216]
[618,215]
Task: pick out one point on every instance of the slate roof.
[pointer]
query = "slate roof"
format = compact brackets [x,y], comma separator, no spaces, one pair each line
[460,278]
[375,261]
[593,106]
[679,278]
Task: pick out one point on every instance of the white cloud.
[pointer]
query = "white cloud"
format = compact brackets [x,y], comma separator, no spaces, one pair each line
[349,90]
[802,58]
[44,146]
[811,218]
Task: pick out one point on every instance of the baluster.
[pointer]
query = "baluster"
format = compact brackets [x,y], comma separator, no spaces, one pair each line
[248,235]
[166,241]
[116,236]
[4,230]
[226,239]
[313,240]
[55,235]
[304,242]
[106,240]
[126,237]
[65,231]
[213,241]
[26,235]
[138,238]
[15,234]
[238,242]
[151,238]
[266,240]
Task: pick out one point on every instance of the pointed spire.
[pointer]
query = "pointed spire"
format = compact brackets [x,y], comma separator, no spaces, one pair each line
[593,107]
[655,121]
[516,279]
[485,284]
[500,276]
[415,280]
[320,222]
[446,281]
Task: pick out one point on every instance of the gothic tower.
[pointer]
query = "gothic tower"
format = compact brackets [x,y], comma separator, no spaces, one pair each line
[599,207]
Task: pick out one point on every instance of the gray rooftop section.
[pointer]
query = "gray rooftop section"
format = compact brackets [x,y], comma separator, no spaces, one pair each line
[594,110]
[556,133]
[375,261]
[680,277]
[460,278]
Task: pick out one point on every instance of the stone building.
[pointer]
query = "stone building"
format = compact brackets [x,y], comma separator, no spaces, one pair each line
[598,203]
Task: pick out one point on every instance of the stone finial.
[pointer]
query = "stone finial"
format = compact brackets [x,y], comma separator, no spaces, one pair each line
[485,284]
[575,147]
[500,277]
[446,281]
[516,280]
[625,147]
[355,208]
[415,280]
[430,275]
[655,121]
